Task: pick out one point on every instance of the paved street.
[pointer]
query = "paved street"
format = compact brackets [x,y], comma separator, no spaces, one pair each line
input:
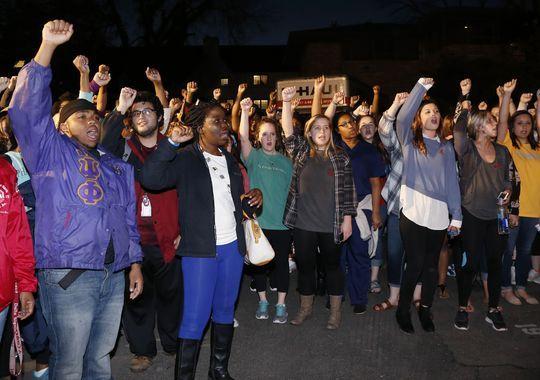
[369,346]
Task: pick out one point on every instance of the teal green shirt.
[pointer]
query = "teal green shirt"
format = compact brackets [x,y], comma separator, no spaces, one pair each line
[271,173]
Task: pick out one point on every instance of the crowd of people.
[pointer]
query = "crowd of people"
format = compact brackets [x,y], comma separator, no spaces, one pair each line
[133,217]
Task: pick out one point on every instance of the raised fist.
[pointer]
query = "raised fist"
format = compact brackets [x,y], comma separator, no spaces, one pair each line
[500,91]
[12,83]
[427,81]
[319,83]
[400,98]
[246,104]
[126,98]
[103,69]
[192,87]
[3,83]
[376,89]
[294,103]
[242,88]
[271,110]
[175,104]
[180,133]
[509,87]
[465,85]
[56,32]
[82,64]
[288,93]
[353,100]
[153,75]
[482,106]
[102,79]
[338,97]
[216,93]
[364,109]
[273,96]
[526,98]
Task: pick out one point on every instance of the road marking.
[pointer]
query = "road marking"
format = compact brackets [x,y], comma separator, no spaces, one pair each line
[529,329]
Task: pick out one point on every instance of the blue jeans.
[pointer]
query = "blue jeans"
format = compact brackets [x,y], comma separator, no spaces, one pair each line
[3,317]
[211,286]
[82,321]
[522,238]
[356,265]
[395,251]
[377,260]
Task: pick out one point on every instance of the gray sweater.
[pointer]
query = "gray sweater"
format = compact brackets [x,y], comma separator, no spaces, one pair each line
[433,175]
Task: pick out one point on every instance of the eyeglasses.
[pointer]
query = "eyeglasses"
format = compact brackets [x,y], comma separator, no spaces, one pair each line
[350,123]
[145,112]
[218,122]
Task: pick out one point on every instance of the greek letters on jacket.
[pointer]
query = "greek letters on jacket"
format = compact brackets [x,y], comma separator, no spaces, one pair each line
[82,200]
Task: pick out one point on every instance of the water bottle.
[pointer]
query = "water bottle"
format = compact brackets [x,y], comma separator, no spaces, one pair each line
[502,218]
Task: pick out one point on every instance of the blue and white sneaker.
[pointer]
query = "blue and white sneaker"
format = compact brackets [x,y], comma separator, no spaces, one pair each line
[451,272]
[262,310]
[281,314]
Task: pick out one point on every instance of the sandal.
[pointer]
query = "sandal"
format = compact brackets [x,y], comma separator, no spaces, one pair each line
[375,287]
[527,297]
[443,293]
[383,306]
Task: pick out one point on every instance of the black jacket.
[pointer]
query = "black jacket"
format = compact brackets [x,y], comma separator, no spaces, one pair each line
[187,170]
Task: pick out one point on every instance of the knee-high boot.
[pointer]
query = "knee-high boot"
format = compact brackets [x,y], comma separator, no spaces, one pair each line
[220,353]
[187,355]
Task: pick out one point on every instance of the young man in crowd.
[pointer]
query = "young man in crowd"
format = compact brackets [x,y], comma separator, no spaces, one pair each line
[86,231]
[157,220]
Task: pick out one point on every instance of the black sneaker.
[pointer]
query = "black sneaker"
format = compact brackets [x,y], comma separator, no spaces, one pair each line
[359,309]
[461,322]
[252,286]
[495,319]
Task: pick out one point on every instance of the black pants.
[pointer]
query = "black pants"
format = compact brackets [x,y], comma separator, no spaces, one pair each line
[480,237]
[279,267]
[305,244]
[162,297]
[422,249]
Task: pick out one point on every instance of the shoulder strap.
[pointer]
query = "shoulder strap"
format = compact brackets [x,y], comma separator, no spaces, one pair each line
[127,151]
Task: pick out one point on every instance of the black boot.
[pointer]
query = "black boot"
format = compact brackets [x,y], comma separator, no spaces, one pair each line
[426,318]
[187,355]
[220,353]
[403,318]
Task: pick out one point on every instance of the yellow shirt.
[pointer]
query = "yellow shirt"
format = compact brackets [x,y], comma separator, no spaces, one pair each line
[527,162]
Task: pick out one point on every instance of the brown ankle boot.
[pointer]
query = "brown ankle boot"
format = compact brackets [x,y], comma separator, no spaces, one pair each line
[335,313]
[306,309]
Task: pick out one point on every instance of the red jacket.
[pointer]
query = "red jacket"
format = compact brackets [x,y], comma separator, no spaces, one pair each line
[16,251]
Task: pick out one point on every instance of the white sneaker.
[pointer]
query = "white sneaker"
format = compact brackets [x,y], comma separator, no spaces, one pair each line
[513,275]
[533,275]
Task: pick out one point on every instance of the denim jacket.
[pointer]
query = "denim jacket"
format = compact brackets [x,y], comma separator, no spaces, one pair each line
[82,201]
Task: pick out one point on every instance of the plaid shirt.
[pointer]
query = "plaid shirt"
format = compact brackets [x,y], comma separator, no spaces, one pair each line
[390,191]
[344,192]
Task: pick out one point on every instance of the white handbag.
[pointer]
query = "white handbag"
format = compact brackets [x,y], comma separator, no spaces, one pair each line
[259,250]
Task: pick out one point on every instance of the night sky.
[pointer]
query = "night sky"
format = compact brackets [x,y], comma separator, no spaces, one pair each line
[291,15]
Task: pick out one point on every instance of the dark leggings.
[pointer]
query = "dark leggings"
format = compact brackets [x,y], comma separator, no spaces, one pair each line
[277,268]
[305,244]
[422,249]
[480,237]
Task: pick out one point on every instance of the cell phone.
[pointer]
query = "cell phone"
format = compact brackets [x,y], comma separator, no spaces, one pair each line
[503,195]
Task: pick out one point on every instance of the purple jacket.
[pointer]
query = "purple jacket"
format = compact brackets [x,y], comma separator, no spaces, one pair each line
[82,200]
